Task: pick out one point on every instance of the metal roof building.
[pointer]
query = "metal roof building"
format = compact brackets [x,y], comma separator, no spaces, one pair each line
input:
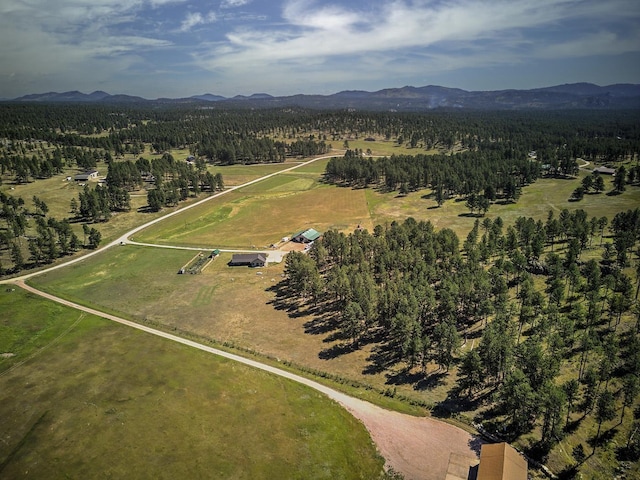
[500,461]
[306,236]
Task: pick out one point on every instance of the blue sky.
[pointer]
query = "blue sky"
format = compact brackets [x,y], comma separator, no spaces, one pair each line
[179,48]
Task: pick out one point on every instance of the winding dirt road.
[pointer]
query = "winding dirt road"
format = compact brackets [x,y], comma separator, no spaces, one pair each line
[417,447]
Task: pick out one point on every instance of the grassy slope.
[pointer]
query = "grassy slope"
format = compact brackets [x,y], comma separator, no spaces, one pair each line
[102,400]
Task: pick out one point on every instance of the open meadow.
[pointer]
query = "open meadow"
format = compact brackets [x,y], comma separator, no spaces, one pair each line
[229,305]
[238,306]
[81,397]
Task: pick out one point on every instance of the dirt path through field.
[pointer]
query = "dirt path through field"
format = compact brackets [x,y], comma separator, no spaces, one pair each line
[417,447]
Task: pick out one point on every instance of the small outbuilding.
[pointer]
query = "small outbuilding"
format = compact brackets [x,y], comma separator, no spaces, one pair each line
[306,236]
[248,260]
[500,461]
[86,176]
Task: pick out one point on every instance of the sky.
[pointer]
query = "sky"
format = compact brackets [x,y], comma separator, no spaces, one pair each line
[180,48]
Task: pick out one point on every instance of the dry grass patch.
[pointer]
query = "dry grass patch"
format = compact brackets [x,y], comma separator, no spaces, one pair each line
[260,219]
[235,305]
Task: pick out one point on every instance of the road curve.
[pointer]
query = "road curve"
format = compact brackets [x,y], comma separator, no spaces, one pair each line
[417,447]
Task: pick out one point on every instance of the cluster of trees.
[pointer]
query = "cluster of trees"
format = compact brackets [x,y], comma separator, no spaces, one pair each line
[24,168]
[594,183]
[465,173]
[176,181]
[97,204]
[173,181]
[542,315]
[32,238]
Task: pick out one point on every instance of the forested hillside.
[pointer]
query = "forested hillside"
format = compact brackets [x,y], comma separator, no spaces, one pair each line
[551,309]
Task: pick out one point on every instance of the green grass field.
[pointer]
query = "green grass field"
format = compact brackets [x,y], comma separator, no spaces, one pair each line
[86,398]
[236,305]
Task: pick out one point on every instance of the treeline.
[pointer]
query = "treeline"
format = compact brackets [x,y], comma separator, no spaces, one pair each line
[553,339]
[216,132]
[463,173]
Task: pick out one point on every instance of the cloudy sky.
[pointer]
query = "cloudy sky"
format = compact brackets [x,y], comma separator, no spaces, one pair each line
[178,48]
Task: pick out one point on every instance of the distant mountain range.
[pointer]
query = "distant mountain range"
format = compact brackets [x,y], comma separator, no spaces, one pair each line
[569,96]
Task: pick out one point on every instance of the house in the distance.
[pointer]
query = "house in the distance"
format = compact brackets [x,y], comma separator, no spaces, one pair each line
[86,176]
[500,461]
[248,260]
[306,236]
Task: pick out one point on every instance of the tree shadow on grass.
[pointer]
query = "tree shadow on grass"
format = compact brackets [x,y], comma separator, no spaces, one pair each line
[383,357]
[457,402]
[337,350]
[404,377]
[571,426]
[285,301]
[321,324]
[604,439]
[569,473]
[538,450]
[430,381]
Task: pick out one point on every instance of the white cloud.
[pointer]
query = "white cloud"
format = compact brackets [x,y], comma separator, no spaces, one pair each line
[312,43]
[466,29]
[329,17]
[64,43]
[195,18]
[234,3]
[600,43]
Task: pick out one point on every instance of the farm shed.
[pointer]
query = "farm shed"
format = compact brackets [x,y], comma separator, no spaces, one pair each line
[605,170]
[306,236]
[88,175]
[249,260]
[500,461]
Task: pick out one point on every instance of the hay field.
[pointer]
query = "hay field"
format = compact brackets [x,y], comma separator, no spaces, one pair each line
[263,213]
[231,305]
